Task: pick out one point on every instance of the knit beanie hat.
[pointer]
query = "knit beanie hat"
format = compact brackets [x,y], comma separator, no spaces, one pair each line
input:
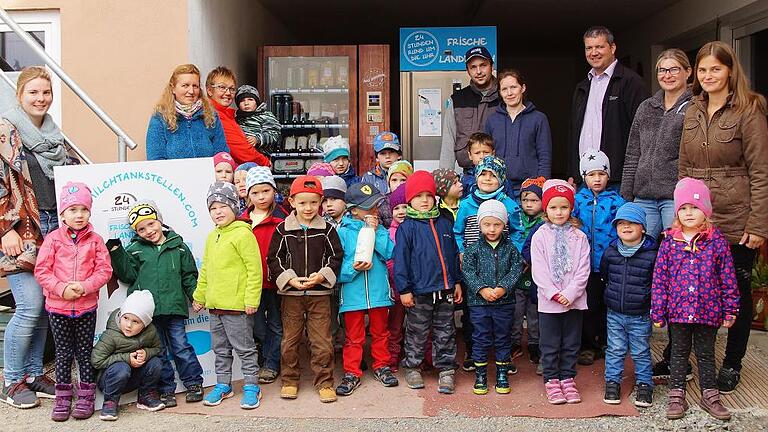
[397,197]
[402,166]
[224,157]
[225,193]
[594,160]
[557,188]
[259,175]
[139,303]
[420,181]
[335,147]
[246,166]
[141,211]
[320,169]
[534,185]
[75,193]
[695,192]
[306,183]
[247,91]
[444,179]
[494,164]
[493,208]
[334,187]
[631,212]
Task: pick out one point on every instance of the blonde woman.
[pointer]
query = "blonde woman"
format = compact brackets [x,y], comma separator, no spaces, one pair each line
[184,125]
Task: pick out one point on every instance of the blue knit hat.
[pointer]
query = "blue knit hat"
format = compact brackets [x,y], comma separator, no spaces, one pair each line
[631,212]
[246,166]
[495,165]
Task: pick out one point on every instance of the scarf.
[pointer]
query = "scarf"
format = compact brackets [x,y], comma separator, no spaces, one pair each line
[561,262]
[45,142]
[188,110]
[628,251]
[483,196]
[412,213]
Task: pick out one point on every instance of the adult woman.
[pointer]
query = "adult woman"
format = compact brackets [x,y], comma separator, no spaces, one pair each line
[28,208]
[520,133]
[184,124]
[725,143]
[653,148]
[220,85]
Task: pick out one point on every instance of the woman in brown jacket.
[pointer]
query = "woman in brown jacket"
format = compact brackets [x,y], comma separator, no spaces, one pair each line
[725,144]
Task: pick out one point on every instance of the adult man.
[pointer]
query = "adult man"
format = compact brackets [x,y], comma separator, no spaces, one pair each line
[466,110]
[604,104]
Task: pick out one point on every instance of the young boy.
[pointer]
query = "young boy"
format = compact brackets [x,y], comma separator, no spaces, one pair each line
[157,260]
[229,286]
[364,289]
[388,150]
[449,189]
[492,267]
[336,153]
[525,294]
[596,206]
[126,356]
[627,269]
[334,209]
[241,173]
[425,241]
[261,128]
[479,146]
[398,174]
[304,259]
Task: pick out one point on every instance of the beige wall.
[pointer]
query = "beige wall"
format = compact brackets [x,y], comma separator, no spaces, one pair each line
[121,53]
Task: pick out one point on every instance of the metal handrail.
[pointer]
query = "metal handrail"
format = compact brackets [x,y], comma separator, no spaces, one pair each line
[123,140]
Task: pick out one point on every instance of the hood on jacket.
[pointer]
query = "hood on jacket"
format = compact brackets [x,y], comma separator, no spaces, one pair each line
[502,108]
[657,101]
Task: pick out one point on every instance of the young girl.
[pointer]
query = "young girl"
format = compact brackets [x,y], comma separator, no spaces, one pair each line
[560,268]
[398,173]
[238,180]
[224,167]
[72,266]
[695,292]
[397,312]
[263,214]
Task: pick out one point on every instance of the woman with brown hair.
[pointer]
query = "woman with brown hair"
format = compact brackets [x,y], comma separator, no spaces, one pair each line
[184,125]
[725,144]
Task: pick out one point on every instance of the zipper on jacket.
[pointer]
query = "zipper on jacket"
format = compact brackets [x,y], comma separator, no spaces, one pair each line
[623,284]
[496,268]
[439,253]
[306,255]
[74,276]
[367,293]
[592,232]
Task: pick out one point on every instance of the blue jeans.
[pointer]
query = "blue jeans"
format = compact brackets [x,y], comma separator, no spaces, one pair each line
[268,328]
[492,328]
[119,378]
[659,214]
[27,330]
[633,333]
[176,348]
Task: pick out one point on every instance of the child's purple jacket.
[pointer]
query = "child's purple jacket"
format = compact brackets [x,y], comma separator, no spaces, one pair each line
[694,283]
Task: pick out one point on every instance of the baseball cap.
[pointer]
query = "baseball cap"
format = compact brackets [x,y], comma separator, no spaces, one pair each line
[363,195]
[478,51]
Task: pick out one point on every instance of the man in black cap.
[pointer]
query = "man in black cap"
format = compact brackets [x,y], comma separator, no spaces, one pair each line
[466,110]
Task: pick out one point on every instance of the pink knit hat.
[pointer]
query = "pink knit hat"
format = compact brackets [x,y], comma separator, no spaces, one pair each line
[75,193]
[695,192]
[320,169]
[224,157]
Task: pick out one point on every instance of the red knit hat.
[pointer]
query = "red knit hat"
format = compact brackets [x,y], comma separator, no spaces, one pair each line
[225,158]
[306,183]
[557,188]
[420,181]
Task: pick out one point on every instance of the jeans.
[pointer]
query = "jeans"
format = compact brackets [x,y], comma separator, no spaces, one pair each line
[738,334]
[659,214]
[120,377]
[27,330]
[269,328]
[176,348]
[631,332]
[492,325]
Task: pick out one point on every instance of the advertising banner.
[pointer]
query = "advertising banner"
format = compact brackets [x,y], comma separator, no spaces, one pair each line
[442,48]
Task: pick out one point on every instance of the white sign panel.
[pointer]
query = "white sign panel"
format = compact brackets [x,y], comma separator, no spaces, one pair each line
[429,112]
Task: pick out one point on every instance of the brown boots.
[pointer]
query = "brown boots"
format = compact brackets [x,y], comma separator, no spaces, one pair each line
[676,404]
[710,401]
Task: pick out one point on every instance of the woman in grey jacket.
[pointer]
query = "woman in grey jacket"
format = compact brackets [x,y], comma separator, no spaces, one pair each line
[650,165]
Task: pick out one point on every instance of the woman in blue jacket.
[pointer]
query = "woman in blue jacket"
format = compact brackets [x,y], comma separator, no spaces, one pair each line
[184,124]
[520,132]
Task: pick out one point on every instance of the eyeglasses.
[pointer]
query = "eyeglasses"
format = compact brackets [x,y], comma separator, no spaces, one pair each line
[224,89]
[672,71]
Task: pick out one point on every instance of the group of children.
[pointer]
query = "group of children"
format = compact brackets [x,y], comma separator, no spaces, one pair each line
[277,271]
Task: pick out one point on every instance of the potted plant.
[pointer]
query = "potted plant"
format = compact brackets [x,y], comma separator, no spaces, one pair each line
[760,294]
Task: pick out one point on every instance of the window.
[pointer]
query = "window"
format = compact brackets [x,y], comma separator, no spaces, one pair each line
[751,43]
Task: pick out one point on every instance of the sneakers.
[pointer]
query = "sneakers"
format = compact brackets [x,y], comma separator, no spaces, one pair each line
[62,405]
[676,404]
[534,353]
[18,395]
[710,401]
[168,399]
[481,379]
[385,376]
[554,391]
[413,379]
[86,397]
[517,351]
[570,391]
[539,369]
[586,357]
[511,367]
[149,401]
[267,376]
[218,394]
[727,380]
[612,393]
[468,365]
[108,411]
[251,397]
[43,387]
[644,395]
[194,393]
[445,382]
[289,392]
[661,372]
[348,384]
[327,395]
